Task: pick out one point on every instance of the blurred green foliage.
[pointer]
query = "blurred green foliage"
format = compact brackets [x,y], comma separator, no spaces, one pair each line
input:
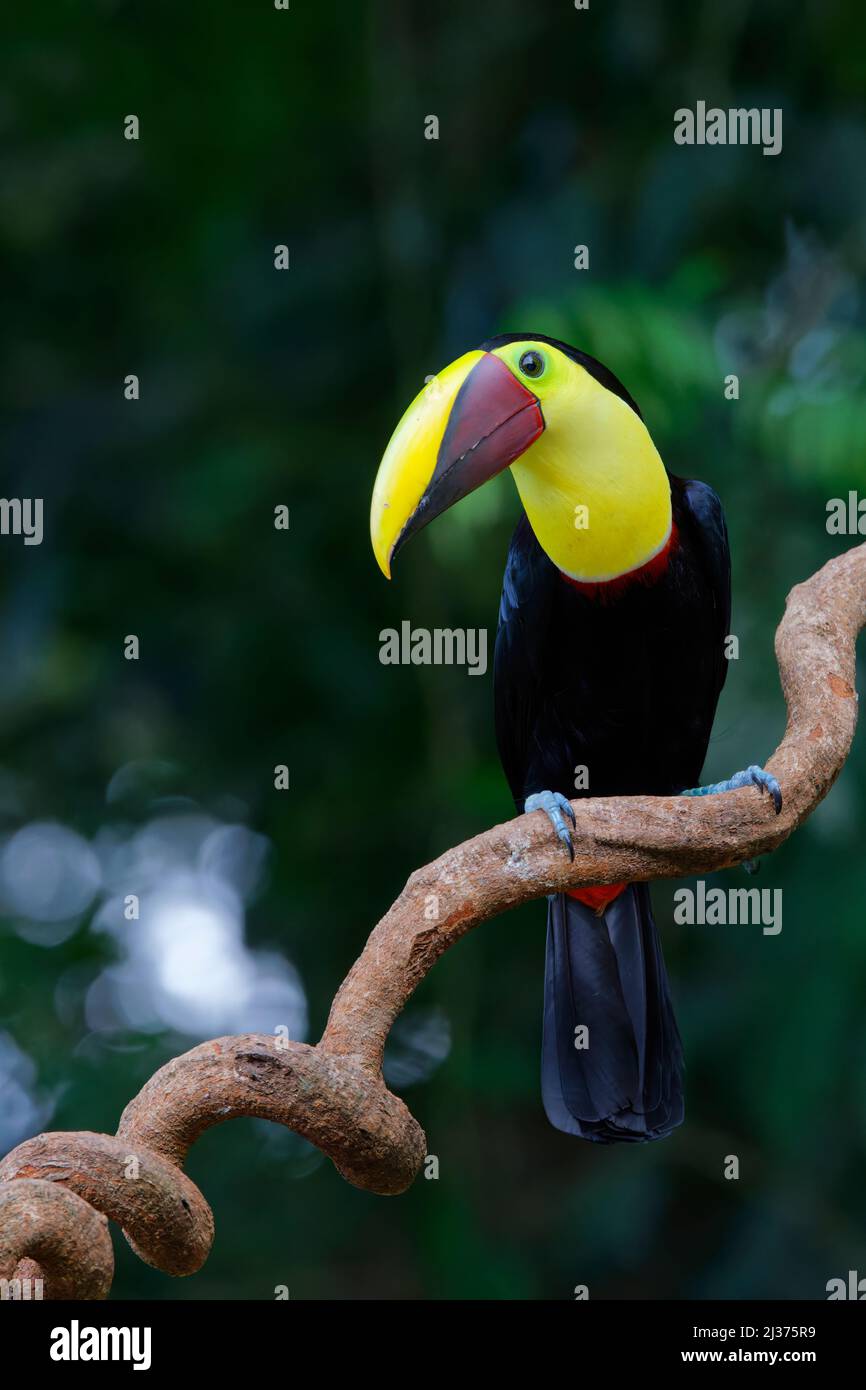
[261,647]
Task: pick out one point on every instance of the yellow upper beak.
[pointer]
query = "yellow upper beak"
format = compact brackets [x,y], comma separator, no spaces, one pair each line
[469,422]
[409,461]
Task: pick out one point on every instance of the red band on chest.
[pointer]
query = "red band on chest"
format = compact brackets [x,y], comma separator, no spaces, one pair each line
[605,589]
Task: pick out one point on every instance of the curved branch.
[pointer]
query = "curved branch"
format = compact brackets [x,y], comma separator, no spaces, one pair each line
[50,1234]
[333,1093]
[622,839]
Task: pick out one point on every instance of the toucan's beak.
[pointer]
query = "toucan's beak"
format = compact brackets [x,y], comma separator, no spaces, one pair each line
[468,423]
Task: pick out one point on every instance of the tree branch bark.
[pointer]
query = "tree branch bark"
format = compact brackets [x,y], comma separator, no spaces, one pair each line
[333,1094]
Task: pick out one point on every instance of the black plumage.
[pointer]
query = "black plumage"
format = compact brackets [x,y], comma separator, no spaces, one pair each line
[622,679]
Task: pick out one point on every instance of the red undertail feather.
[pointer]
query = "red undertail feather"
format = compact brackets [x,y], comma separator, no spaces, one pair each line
[597,897]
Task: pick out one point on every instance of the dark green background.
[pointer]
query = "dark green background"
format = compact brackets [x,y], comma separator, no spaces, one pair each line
[261,647]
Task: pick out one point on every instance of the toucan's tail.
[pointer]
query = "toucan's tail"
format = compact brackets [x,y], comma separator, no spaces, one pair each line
[612,1060]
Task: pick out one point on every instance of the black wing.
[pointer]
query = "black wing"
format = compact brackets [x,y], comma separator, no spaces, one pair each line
[702,512]
[519,670]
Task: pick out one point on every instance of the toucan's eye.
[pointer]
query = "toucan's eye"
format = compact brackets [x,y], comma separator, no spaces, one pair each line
[531,363]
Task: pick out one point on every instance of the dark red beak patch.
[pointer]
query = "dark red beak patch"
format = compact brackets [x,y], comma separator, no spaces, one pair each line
[493,421]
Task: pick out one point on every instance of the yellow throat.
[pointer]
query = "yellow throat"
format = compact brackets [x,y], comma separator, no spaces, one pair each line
[593,485]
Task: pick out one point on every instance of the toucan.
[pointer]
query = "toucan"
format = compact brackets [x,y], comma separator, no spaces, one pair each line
[608,666]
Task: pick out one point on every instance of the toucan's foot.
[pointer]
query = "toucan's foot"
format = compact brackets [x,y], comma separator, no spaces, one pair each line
[750,776]
[553,804]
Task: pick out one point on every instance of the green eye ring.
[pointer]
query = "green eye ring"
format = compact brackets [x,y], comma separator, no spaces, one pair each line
[532,364]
